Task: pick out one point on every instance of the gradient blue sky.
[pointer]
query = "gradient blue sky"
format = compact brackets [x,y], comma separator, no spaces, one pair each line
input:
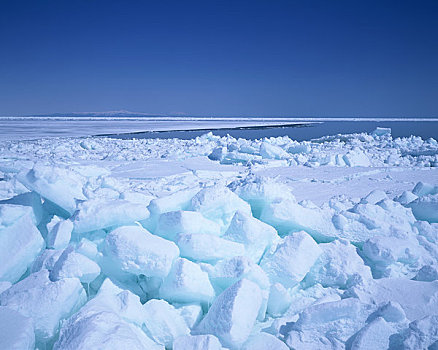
[277,57]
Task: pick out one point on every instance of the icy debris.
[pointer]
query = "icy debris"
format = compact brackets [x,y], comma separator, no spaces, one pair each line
[16,331]
[163,322]
[4,285]
[427,273]
[264,341]
[374,197]
[59,185]
[73,264]
[279,300]
[197,342]
[176,201]
[98,214]
[46,260]
[208,248]
[219,204]
[20,241]
[171,224]
[135,250]
[378,132]
[45,302]
[233,314]
[187,283]
[356,157]
[406,197]
[423,188]
[292,259]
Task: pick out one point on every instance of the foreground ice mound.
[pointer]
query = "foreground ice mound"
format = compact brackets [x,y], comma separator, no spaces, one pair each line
[20,241]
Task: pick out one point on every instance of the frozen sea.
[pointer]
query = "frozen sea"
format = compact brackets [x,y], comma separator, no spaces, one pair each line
[248,234]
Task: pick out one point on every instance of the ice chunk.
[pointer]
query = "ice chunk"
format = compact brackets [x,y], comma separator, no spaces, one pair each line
[197,342]
[429,231]
[318,326]
[59,235]
[191,313]
[390,312]
[423,188]
[20,241]
[356,157]
[425,208]
[417,298]
[163,323]
[44,301]
[406,197]
[279,300]
[73,264]
[179,200]
[270,151]
[96,330]
[4,285]
[374,196]
[290,261]
[59,185]
[381,132]
[16,331]
[46,260]
[373,336]
[208,248]
[421,334]
[137,197]
[287,215]
[427,273]
[261,191]
[264,341]
[219,204]
[187,283]
[97,213]
[227,272]
[253,233]
[233,314]
[172,223]
[135,250]
[338,266]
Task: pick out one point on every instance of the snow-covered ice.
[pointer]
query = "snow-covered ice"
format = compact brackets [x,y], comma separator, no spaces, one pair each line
[219,243]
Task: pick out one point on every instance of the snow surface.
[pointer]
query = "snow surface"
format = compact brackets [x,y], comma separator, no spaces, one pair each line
[219,243]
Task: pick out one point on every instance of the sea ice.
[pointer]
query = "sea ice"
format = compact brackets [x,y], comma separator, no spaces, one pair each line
[16,331]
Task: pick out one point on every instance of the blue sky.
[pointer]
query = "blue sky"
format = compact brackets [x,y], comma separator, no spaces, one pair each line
[277,57]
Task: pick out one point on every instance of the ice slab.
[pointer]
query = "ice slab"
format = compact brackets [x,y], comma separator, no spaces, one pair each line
[425,208]
[16,331]
[291,260]
[45,302]
[58,236]
[253,233]
[219,204]
[59,185]
[197,342]
[20,241]
[171,224]
[208,248]
[98,214]
[233,314]
[135,250]
[264,341]
[187,283]
[163,322]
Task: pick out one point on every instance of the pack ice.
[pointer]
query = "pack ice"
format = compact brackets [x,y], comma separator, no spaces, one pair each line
[219,243]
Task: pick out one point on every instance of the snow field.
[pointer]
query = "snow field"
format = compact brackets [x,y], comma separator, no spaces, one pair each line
[225,262]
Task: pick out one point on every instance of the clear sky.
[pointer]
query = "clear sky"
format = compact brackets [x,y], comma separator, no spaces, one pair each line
[273,57]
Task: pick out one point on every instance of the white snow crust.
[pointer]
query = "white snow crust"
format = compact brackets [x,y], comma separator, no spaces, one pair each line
[219,243]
